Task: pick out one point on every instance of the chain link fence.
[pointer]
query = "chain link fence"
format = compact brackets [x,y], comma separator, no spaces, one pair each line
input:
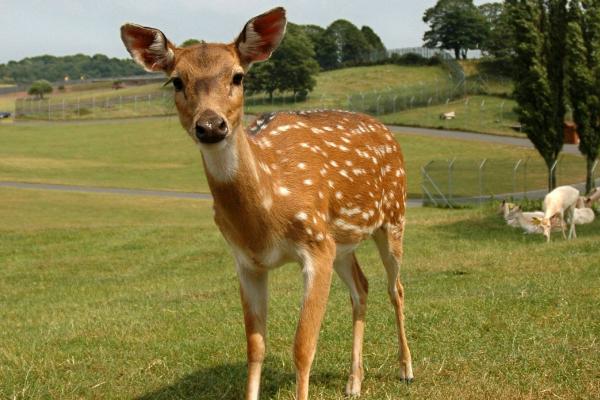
[456,182]
[96,107]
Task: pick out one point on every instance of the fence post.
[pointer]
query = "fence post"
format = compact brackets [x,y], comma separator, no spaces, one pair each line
[514,183]
[594,172]
[78,109]
[49,116]
[377,105]
[63,110]
[525,178]
[450,178]
[481,180]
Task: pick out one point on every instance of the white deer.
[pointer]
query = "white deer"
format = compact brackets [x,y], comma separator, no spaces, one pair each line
[560,202]
[307,187]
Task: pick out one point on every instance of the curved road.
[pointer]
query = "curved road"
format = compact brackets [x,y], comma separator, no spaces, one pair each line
[570,149]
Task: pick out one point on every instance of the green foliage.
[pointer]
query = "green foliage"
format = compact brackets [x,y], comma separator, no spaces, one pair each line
[190,42]
[499,43]
[378,51]
[291,67]
[583,77]
[351,46]
[540,33]
[40,88]
[57,68]
[456,25]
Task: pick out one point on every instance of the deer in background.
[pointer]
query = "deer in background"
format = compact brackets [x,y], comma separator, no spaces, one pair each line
[306,187]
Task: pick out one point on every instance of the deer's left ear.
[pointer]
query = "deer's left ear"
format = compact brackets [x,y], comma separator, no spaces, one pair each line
[149,47]
[261,36]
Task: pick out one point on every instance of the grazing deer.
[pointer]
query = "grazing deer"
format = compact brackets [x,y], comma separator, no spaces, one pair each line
[307,186]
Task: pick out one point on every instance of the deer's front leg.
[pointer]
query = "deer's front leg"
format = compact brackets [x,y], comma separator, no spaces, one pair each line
[253,290]
[317,269]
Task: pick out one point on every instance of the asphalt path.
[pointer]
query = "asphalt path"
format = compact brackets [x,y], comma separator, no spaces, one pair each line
[442,134]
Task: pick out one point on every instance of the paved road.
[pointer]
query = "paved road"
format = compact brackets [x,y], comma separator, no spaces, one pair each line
[127,192]
[443,134]
[478,137]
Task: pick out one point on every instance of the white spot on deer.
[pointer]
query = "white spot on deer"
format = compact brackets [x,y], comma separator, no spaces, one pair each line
[374,160]
[350,211]
[328,129]
[301,165]
[340,127]
[314,220]
[317,130]
[309,231]
[346,140]
[358,171]
[338,195]
[319,237]
[344,173]
[265,168]
[343,148]
[301,216]
[284,128]
[274,133]
[323,171]
[333,163]
[330,144]
[398,173]
[305,145]
[365,216]
[331,184]
[320,194]
[308,182]
[267,202]
[397,205]
[301,124]
[283,191]
[348,163]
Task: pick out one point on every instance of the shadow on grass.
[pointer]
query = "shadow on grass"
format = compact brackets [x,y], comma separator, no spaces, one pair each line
[487,228]
[228,382]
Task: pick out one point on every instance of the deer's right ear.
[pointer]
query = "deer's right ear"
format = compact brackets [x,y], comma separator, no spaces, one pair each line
[261,36]
[149,47]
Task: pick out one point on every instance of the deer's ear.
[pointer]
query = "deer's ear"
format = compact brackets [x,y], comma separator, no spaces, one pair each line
[149,47]
[261,36]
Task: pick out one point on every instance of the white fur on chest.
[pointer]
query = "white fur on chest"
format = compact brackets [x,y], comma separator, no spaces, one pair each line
[282,252]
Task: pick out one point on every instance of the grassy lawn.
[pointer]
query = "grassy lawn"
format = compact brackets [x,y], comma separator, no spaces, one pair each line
[487,114]
[157,154]
[114,297]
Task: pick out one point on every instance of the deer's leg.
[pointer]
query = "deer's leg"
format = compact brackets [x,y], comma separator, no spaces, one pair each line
[348,269]
[253,290]
[389,243]
[571,216]
[317,269]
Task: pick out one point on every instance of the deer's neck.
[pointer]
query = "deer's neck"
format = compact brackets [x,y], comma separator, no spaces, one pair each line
[241,191]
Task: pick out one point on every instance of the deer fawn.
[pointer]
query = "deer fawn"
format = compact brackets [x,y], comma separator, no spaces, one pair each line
[304,186]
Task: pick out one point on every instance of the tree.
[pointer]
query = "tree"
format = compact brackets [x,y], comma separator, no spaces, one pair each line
[378,51]
[583,78]
[456,25]
[40,88]
[540,34]
[324,45]
[291,67]
[190,42]
[351,47]
[500,41]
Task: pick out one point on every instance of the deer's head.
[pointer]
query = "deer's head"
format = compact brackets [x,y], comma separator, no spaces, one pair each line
[207,78]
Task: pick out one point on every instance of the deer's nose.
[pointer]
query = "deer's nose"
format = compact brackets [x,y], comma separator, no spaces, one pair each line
[211,128]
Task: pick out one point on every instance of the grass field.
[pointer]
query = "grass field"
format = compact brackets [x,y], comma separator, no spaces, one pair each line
[487,114]
[108,297]
[157,154]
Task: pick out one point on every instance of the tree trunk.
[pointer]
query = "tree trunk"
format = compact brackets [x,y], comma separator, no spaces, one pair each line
[551,179]
[457,53]
[589,179]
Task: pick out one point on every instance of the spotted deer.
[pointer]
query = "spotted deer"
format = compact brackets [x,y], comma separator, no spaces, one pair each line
[303,187]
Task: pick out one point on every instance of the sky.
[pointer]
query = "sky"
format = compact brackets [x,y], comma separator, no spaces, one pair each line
[62,27]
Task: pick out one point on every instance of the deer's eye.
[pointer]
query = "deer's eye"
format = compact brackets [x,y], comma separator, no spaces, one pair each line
[177,84]
[237,79]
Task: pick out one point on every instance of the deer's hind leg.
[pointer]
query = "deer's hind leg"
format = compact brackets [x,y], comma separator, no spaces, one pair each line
[389,243]
[347,268]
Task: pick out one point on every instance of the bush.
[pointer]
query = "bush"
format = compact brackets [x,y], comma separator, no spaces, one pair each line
[40,88]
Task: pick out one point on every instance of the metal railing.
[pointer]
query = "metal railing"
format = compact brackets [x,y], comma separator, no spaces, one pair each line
[455,182]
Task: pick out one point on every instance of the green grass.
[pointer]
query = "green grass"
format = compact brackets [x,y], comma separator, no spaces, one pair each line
[487,114]
[157,154]
[334,87]
[114,297]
